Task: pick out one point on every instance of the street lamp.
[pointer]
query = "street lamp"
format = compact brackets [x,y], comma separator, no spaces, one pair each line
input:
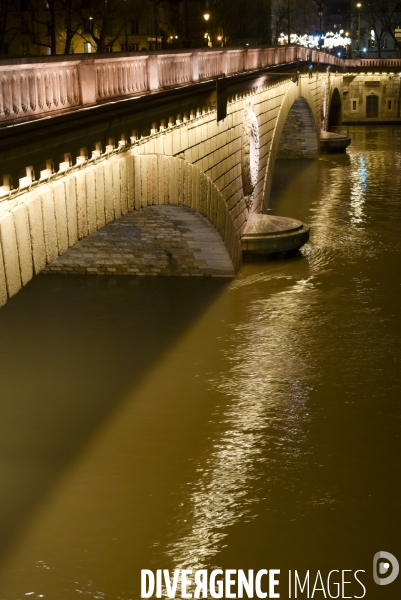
[289,21]
[186,43]
[156,22]
[320,12]
[206,16]
[348,50]
[125,25]
[359,6]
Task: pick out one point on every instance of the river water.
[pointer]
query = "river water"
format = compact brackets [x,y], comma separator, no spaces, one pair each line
[162,423]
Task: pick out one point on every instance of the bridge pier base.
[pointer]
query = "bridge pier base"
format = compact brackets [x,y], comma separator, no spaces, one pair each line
[331,143]
[268,236]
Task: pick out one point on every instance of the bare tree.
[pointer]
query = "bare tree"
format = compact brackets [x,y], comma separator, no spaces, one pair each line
[4,11]
[39,26]
[103,21]
[375,24]
[279,18]
[383,16]
[70,26]
[223,21]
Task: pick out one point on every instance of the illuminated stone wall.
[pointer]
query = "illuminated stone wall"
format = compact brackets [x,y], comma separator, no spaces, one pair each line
[359,87]
[191,160]
[32,87]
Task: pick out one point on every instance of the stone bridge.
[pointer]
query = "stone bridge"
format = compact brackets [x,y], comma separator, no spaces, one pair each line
[221,169]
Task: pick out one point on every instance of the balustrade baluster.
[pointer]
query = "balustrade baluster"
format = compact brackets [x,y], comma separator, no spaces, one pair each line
[63,95]
[39,86]
[56,89]
[32,91]
[16,95]
[23,84]
[5,86]
[68,86]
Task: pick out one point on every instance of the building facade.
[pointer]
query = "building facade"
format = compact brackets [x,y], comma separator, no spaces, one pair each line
[35,27]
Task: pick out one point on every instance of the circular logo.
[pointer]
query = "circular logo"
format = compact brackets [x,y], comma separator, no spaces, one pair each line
[388,567]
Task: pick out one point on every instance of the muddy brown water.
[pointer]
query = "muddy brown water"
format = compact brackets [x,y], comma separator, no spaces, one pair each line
[162,423]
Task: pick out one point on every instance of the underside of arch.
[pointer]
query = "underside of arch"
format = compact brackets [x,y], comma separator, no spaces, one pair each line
[161,179]
[335,110]
[43,223]
[298,138]
[156,240]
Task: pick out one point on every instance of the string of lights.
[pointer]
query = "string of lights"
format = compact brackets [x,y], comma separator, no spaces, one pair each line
[330,40]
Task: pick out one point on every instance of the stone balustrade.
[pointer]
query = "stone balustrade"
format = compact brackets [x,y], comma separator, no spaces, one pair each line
[39,87]
[26,91]
[222,170]
[375,62]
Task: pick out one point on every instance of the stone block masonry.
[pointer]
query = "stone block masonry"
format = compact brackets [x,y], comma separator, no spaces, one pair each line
[372,97]
[36,87]
[188,161]
[38,226]
[158,240]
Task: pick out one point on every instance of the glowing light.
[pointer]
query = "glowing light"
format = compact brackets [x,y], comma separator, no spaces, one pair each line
[333,40]
[206,16]
[358,193]
[329,40]
[301,40]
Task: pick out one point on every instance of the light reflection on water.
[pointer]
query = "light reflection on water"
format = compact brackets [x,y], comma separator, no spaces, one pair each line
[267,405]
[271,367]
[261,432]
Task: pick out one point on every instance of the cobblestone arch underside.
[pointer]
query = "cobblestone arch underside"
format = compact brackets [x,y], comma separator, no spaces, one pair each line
[298,138]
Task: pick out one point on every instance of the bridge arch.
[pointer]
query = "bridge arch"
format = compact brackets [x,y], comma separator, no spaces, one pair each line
[297,114]
[334,118]
[298,138]
[165,179]
[42,224]
[195,162]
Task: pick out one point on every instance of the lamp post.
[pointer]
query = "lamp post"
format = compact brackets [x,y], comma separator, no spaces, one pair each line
[289,21]
[320,12]
[125,25]
[156,24]
[187,40]
[359,6]
[206,16]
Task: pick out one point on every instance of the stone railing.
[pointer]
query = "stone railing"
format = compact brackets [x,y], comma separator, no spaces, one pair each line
[37,87]
[374,62]
[26,91]
[119,78]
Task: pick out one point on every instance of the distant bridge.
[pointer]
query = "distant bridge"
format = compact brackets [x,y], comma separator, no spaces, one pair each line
[130,131]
